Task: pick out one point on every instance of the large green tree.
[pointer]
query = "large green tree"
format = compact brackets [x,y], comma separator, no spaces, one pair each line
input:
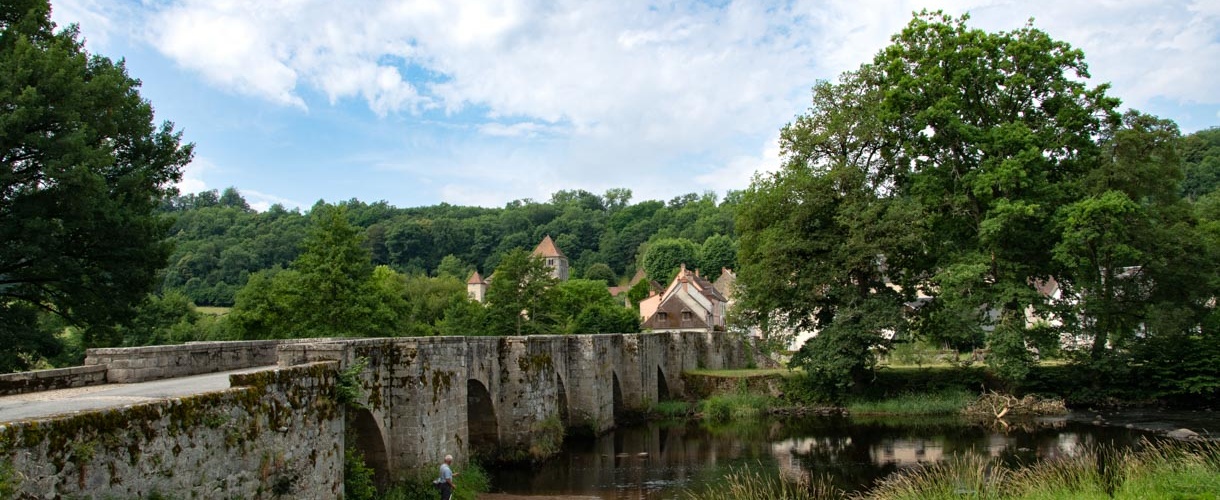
[814,234]
[82,167]
[991,134]
[329,291]
[666,255]
[970,142]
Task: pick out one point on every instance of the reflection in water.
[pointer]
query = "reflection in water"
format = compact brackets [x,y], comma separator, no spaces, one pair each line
[656,461]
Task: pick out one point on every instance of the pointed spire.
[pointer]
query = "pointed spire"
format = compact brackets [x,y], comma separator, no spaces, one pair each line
[548,249]
[475,279]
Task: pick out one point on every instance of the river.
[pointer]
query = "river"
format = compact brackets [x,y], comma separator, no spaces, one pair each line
[662,460]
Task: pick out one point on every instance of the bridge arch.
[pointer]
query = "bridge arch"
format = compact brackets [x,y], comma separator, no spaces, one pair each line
[484,428]
[371,443]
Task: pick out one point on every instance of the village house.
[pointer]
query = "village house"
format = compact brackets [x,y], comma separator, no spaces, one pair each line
[691,302]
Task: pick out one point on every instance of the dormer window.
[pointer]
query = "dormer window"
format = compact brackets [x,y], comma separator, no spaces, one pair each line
[662,316]
[685,315]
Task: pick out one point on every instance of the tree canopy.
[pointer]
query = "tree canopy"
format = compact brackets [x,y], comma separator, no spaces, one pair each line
[82,168]
[967,169]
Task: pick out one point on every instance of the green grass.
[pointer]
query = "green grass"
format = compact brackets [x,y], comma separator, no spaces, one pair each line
[671,409]
[726,407]
[213,310]
[944,402]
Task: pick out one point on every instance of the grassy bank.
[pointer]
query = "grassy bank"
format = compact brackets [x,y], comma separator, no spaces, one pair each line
[1158,470]
[728,394]
[942,402]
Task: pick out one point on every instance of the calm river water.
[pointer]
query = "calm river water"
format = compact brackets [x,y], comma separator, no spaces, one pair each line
[660,461]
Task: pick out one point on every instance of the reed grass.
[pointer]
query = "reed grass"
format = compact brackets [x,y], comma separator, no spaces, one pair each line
[747,484]
[1158,469]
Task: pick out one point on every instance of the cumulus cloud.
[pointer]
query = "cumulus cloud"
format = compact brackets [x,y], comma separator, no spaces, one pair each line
[192,176]
[667,97]
[738,171]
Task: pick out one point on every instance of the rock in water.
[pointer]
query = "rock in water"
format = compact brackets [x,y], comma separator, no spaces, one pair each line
[1184,434]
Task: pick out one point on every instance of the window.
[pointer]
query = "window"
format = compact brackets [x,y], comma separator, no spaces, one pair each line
[662,316]
[685,315]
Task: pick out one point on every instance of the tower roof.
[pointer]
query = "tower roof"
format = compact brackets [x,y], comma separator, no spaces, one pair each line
[475,279]
[548,249]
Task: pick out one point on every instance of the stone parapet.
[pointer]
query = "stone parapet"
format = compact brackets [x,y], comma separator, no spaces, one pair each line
[49,380]
[138,364]
[276,434]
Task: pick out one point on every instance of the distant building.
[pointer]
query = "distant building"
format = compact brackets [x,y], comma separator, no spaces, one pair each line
[555,259]
[689,303]
[476,286]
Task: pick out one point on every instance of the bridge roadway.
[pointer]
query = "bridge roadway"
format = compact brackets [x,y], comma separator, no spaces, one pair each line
[61,401]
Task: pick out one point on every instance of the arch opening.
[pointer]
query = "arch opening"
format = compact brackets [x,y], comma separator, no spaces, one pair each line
[371,444]
[484,430]
[662,386]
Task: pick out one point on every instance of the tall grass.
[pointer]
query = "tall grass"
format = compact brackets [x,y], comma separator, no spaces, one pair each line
[671,409]
[944,402]
[746,484]
[1157,470]
[739,406]
[1164,469]
[962,476]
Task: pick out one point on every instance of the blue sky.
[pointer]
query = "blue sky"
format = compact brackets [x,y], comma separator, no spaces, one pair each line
[481,103]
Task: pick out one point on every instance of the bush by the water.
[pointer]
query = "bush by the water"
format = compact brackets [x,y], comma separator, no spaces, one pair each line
[727,407]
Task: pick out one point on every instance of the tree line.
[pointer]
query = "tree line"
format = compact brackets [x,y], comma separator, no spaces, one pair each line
[219,241]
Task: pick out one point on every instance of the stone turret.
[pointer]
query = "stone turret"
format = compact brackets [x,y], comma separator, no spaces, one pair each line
[554,258]
[476,287]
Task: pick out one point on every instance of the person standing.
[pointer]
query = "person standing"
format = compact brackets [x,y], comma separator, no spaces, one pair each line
[446,480]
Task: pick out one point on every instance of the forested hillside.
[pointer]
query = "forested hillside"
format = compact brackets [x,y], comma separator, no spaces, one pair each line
[219,241]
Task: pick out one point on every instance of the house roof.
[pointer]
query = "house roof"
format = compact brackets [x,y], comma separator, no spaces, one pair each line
[548,249]
[475,279]
[701,284]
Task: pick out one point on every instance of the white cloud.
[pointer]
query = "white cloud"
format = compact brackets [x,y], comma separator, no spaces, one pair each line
[232,44]
[664,98]
[97,19]
[523,129]
[737,173]
[192,176]
[262,201]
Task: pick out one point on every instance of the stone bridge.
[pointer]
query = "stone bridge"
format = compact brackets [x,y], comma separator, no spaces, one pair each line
[282,432]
